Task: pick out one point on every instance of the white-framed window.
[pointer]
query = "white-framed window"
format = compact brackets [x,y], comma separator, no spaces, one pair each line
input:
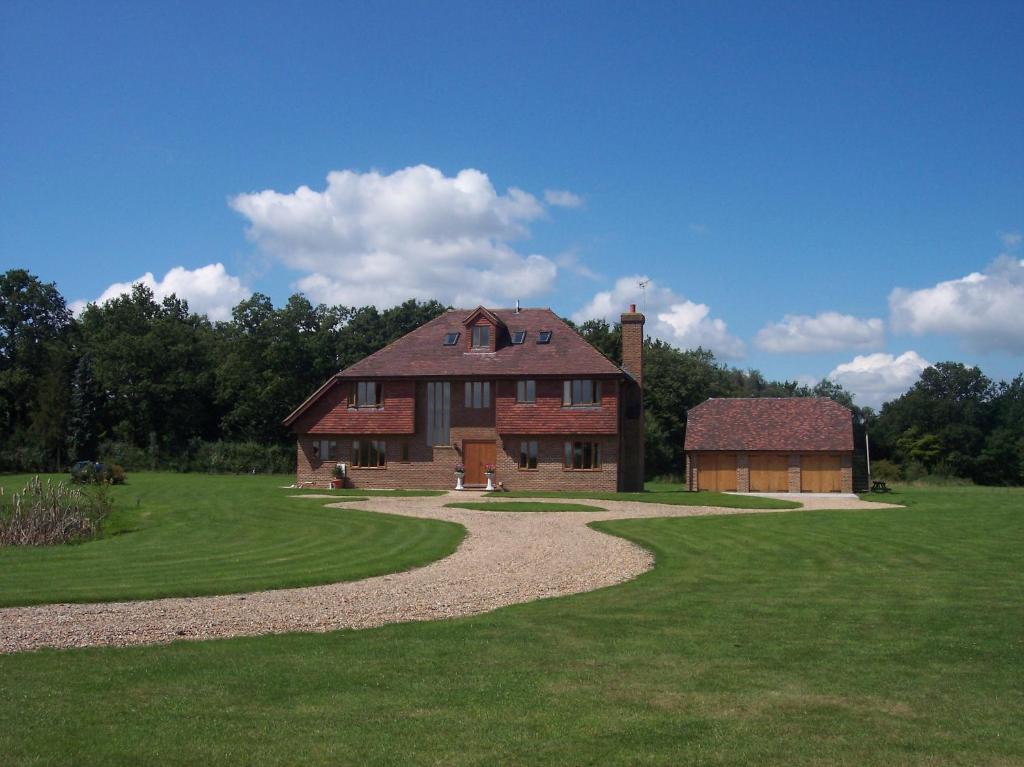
[369,453]
[439,412]
[581,392]
[582,455]
[528,454]
[526,392]
[325,450]
[366,394]
[478,394]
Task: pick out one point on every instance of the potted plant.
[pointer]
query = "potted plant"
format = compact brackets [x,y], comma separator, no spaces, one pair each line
[339,477]
[460,472]
[489,473]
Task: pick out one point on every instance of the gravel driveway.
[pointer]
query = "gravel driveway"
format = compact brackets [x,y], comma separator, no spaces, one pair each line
[506,558]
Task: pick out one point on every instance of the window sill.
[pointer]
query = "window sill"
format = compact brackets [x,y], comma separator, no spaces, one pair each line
[369,468]
[522,468]
[365,407]
[588,471]
[582,407]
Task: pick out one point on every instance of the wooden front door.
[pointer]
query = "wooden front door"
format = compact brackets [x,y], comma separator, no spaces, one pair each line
[819,473]
[716,471]
[769,472]
[475,456]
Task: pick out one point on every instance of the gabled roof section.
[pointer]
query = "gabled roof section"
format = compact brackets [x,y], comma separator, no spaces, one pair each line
[324,388]
[768,423]
[422,353]
[479,312]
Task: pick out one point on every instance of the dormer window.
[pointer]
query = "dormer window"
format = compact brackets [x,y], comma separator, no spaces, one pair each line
[481,336]
[518,337]
[450,339]
[544,337]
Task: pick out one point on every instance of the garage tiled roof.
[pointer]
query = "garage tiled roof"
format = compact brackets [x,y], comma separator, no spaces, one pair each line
[422,353]
[763,423]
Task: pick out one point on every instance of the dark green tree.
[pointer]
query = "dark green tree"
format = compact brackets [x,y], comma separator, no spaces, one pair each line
[84,417]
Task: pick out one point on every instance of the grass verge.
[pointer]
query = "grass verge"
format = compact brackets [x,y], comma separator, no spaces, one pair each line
[195,534]
[673,495]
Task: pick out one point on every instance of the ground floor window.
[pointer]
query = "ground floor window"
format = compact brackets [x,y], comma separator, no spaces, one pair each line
[325,450]
[582,455]
[528,454]
[368,453]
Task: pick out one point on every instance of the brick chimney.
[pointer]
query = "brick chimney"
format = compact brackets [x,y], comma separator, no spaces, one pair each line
[633,343]
[631,411]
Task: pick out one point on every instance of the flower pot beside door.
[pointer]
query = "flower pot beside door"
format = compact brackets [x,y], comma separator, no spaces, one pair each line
[460,472]
[489,473]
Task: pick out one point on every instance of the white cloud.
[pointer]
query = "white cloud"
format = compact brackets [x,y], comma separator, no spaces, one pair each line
[827,331]
[562,198]
[985,309]
[570,261]
[209,290]
[670,317]
[877,378]
[416,233]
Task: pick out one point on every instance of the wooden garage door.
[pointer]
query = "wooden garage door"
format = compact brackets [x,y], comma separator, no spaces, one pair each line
[819,473]
[769,472]
[716,471]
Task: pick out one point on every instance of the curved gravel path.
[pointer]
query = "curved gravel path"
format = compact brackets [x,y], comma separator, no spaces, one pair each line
[506,558]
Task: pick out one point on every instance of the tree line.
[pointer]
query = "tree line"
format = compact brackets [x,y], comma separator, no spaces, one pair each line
[150,384]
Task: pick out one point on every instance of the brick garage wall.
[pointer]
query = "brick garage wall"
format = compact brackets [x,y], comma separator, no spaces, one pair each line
[846,473]
[794,473]
[742,472]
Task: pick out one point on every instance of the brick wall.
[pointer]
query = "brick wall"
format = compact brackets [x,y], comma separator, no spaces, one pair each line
[632,395]
[433,467]
[332,415]
[548,416]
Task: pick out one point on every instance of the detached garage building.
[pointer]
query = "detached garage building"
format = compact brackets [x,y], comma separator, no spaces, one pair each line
[770,445]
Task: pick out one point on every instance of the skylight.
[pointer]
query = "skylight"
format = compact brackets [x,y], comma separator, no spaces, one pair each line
[450,339]
[544,337]
[518,336]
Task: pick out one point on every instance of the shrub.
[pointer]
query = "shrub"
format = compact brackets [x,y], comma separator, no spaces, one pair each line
[46,513]
[87,472]
[887,471]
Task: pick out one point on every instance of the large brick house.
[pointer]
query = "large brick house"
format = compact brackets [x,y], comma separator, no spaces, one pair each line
[516,389]
[796,444]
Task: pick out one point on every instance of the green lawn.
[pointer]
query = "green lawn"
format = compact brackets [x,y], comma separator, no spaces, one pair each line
[192,534]
[522,506]
[659,492]
[881,637]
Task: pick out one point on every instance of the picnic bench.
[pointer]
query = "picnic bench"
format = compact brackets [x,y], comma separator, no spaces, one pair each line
[879,486]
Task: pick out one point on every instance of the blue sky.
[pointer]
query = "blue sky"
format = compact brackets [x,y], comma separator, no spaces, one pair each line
[850,166]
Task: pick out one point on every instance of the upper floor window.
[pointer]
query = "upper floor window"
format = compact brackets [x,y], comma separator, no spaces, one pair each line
[366,394]
[478,394]
[450,339]
[439,396]
[518,336]
[544,337]
[526,391]
[481,336]
[581,392]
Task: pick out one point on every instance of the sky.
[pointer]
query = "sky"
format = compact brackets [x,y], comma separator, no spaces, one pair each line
[809,189]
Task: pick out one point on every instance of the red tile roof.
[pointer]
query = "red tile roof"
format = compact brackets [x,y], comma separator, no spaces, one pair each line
[753,423]
[422,354]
